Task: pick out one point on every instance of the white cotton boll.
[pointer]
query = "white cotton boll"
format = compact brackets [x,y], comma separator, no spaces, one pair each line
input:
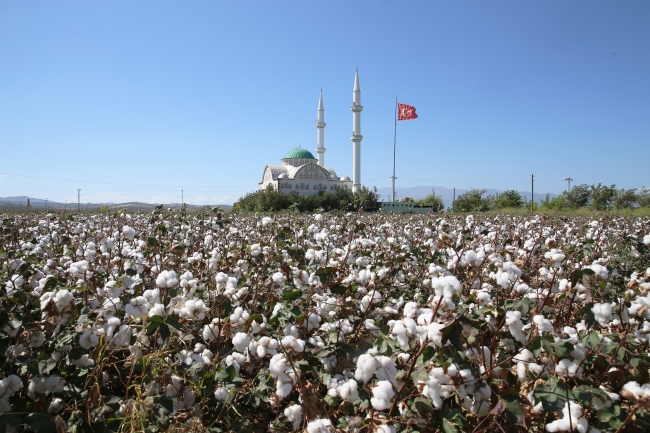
[349,391]
[278,365]
[568,368]
[279,278]
[632,391]
[382,394]
[266,221]
[128,232]
[543,324]
[370,325]
[600,271]
[436,387]
[291,342]
[515,325]
[241,340]
[434,331]
[572,419]
[56,406]
[602,312]
[174,387]
[256,250]
[386,369]
[291,330]
[322,425]
[167,279]
[37,339]
[366,367]
[157,310]
[63,298]
[211,331]
[294,415]
[385,428]
[222,394]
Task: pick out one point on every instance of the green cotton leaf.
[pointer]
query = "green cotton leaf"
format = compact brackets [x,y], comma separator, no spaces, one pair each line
[562,350]
[584,393]
[536,346]
[453,332]
[593,339]
[152,242]
[339,290]
[513,409]
[164,331]
[40,422]
[428,353]
[385,329]
[606,415]
[231,372]
[292,295]
[152,326]
[226,308]
[173,322]
[550,394]
[449,426]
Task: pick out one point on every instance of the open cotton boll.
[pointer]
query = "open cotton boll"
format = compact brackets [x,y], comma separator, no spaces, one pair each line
[279,278]
[128,232]
[386,369]
[543,324]
[515,325]
[568,368]
[366,367]
[437,386]
[167,279]
[55,406]
[571,420]
[385,428]
[294,415]
[174,387]
[349,391]
[291,342]
[223,394]
[600,271]
[322,425]
[602,312]
[382,394]
[241,340]
[41,385]
[632,391]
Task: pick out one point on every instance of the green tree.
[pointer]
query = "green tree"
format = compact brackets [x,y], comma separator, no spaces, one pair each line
[643,197]
[473,201]
[433,201]
[509,199]
[625,198]
[555,203]
[578,196]
[602,196]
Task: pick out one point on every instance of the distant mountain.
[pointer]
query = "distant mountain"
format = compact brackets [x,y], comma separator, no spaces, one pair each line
[20,202]
[447,194]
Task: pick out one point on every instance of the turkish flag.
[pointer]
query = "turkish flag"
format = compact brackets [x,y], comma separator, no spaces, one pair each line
[406,112]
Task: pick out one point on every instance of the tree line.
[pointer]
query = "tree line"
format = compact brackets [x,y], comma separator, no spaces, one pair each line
[597,197]
[270,200]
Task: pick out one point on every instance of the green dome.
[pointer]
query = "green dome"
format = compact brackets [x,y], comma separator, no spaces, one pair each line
[299,152]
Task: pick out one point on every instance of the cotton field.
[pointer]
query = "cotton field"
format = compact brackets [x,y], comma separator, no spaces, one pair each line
[323,323]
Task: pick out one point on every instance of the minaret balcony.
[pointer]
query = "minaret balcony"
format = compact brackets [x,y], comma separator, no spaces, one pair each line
[321,124]
[356,138]
[320,150]
[356,108]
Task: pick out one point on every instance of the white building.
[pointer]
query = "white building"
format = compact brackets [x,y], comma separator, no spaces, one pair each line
[302,174]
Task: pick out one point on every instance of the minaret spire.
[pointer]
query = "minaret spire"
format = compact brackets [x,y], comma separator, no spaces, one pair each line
[356,133]
[320,125]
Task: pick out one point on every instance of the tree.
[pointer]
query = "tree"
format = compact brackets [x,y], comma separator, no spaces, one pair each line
[625,198]
[602,196]
[473,200]
[509,199]
[643,197]
[555,203]
[433,201]
[578,196]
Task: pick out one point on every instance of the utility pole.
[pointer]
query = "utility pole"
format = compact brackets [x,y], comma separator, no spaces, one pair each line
[78,199]
[568,179]
[532,192]
[45,203]
[453,203]
[182,198]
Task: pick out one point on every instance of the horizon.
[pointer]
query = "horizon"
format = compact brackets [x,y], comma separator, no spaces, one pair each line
[136,102]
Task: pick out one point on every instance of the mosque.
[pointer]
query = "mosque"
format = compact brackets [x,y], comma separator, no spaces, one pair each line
[302,174]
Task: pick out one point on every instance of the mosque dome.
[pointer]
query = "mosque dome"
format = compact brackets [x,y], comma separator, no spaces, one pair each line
[299,153]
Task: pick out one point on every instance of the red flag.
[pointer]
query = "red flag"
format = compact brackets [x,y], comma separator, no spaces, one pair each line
[406,112]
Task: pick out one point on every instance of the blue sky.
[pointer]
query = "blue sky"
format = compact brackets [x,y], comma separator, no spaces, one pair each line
[140,100]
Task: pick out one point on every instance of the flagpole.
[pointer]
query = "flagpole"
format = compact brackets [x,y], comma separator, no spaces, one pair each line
[394,147]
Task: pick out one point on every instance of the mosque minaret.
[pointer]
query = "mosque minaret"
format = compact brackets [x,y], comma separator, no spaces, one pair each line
[301,173]
[356,134]
[320,125]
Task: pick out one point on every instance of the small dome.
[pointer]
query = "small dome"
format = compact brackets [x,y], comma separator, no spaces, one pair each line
[282,176]
[345,178]
[299,153]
